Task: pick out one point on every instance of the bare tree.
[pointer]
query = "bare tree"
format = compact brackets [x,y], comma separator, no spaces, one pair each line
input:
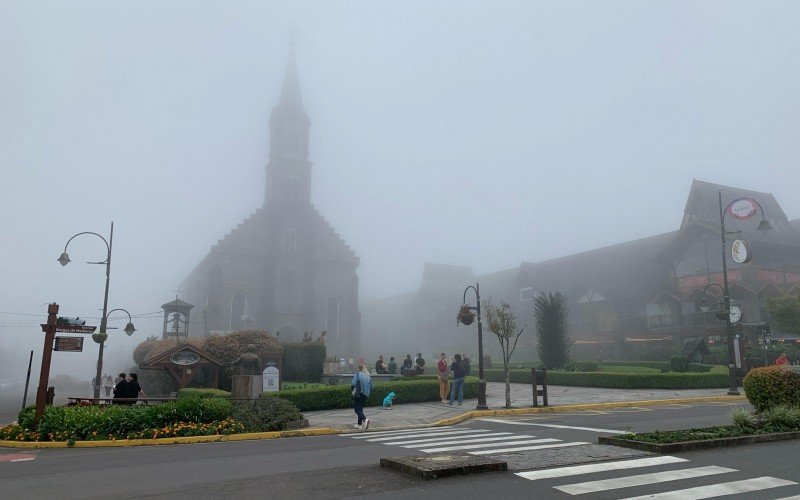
[503,323]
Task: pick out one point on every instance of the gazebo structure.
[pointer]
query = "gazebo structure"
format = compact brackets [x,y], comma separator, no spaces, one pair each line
[176,319]
[185,363]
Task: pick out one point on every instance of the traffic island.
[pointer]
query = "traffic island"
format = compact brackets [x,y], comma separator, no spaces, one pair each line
[675,444]
[446,465]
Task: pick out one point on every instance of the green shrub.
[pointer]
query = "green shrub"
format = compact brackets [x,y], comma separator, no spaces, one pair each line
[303,361]
[574,365]
[772,386]
[744,419]
[407,390]
[782,417]
[265,414]
[660,365]
[679,364]
[202,393]
[715,378]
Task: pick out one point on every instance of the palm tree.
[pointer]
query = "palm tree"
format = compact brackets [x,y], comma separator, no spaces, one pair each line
[552,329]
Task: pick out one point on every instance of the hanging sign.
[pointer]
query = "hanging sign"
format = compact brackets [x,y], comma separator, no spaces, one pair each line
[740,251]
[69,344]
[742,208]
[184,358]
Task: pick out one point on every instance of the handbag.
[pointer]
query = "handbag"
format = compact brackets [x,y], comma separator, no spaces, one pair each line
[355,391]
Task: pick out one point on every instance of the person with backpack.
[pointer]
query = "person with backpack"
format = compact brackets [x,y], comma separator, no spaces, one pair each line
[360,387]
[458,380]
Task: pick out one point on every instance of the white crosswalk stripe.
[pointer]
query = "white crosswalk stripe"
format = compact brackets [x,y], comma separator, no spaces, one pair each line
[500,436]
[528,448]
[665,477]
[424,435]
[718,490]
[367,435]
[642,479]
[476,446]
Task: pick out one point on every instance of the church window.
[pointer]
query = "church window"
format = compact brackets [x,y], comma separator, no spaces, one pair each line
[290,242]
[332,317]
[238,317]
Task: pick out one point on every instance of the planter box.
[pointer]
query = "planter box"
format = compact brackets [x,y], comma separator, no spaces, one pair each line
[702,444]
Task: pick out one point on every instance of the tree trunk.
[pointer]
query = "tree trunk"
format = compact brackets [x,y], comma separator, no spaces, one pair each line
[508,388]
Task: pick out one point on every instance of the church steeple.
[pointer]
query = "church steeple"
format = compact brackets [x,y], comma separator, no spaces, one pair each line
[289,171]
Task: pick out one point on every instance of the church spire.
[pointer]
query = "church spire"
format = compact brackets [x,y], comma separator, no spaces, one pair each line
[290,93]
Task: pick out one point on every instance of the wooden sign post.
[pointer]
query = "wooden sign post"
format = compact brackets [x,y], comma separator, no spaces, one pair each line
[49,330]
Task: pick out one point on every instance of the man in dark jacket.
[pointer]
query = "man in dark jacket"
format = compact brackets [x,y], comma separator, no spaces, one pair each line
[134,389]
[120,389]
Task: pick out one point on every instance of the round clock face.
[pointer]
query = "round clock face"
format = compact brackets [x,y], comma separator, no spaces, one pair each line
[735,314]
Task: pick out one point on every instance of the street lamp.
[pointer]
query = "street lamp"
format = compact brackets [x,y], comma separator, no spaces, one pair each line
[466,316]
[744,210]
[64,260]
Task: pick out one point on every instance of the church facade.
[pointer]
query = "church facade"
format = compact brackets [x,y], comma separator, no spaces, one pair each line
[284,268]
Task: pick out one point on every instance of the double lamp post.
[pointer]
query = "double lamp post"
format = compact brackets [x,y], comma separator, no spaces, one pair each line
[100,337]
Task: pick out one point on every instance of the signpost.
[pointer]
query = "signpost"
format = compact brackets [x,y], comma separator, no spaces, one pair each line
[49,330]
[75,329]
[69,344]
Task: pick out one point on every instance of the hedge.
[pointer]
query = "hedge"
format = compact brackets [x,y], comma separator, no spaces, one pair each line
[303,361]
[202,393]
[409,390]
[772,386]
[660,365]
[716,378]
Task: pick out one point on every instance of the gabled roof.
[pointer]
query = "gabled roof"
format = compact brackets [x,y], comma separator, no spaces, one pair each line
[164,355]
[177,304]
[703,202]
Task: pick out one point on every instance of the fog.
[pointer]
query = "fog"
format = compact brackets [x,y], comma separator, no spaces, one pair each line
[473,133]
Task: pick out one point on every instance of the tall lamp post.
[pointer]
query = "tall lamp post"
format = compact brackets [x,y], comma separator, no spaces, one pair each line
[64,260]
[740,208]
[466,316]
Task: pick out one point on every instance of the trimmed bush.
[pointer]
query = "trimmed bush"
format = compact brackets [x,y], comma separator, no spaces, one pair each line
[303,361]
[574,365]
[679,363]
[188,392]
[660,365]
[716,378]
[410,390]
[772,386]
[265,414]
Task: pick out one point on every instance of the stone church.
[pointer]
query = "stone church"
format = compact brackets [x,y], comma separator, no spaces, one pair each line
[284,268]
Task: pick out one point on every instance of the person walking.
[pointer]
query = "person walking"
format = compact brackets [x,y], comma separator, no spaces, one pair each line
[108,383]
[458,380]
[133,388]
[120,389]
[444,382]
[360,387]
[467,365]
[392,366]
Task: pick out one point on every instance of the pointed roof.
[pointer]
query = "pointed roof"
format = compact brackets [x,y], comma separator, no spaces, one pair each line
[291,96]
[165,355]
[176,304]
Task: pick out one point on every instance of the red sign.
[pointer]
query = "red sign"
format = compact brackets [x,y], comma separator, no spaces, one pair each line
[69,344]
[742,208]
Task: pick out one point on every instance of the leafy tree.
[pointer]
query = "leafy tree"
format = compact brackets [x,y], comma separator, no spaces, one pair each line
[551,313]
[784,313]
[502,322]
[227,348]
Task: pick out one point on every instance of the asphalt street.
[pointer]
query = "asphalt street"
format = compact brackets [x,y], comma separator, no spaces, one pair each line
[550,456]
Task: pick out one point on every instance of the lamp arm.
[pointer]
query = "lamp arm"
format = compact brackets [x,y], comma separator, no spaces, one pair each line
[108,248]
[130,319]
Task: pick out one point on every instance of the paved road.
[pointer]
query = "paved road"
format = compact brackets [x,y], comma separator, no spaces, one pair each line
[346,465]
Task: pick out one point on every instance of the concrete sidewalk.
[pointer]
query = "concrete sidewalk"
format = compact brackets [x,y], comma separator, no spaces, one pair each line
[413,414]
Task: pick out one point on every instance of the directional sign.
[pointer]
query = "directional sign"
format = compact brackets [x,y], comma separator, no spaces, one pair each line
[69,344]
[75,329]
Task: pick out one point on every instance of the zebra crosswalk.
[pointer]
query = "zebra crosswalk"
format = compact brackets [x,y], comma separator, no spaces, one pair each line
[472,441]
[671,477]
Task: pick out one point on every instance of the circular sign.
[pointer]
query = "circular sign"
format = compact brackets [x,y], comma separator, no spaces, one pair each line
[184,358]
[742,208]
[740,251]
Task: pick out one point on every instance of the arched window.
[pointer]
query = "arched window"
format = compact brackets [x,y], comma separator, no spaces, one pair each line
[238,317]
[332,317]
[290,242]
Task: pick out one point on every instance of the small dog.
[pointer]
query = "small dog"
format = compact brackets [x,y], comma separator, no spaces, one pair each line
[387,401]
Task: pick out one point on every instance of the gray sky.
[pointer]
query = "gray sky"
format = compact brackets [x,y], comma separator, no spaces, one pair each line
[477,133]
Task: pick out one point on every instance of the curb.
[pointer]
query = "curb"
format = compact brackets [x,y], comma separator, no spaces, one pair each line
[701,444]
[581,407]
[216,438]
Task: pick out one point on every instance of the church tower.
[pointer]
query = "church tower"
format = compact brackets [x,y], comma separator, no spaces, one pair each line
[289,170]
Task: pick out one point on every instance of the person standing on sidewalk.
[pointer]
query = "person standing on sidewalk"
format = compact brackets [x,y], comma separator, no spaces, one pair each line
[444,382]
[361,386]
[458,380]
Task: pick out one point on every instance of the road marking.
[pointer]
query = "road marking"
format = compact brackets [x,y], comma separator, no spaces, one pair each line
[489,445]
[554,426]
[527,448]
[17,457]
[400,432]
[427,434]
[459,439]
[642,479]
[599,467]
[716,490]
[796,497]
